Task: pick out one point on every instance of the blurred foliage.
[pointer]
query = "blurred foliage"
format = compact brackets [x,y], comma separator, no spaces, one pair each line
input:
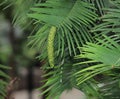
[16,53]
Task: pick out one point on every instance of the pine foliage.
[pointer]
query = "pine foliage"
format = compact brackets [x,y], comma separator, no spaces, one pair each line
[80,42]
[4,77]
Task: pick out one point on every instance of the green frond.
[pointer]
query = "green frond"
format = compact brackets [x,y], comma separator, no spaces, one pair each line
[63,30]
[72,21]
[21,8]
[110,21]
[3,81]
[110,88]
[59,80]
[101,57]
[91,89]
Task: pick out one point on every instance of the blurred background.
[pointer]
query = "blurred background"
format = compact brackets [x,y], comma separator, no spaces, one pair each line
[15,53]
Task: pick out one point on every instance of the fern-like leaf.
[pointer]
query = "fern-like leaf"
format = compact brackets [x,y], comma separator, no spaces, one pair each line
[4,77]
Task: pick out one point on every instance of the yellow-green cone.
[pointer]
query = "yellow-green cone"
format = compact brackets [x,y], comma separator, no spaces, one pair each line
[50,47]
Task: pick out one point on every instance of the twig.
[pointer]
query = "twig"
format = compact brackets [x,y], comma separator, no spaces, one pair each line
[11,87]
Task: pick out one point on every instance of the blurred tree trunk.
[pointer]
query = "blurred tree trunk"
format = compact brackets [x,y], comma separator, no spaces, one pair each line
[12,61]
[12,39]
